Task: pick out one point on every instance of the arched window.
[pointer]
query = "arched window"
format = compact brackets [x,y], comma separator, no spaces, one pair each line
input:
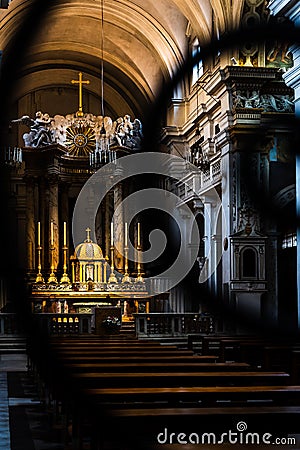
[198,68]
[248,263]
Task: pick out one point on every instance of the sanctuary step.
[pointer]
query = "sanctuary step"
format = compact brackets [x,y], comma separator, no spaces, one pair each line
[128,329]
[12,345]
[181,342]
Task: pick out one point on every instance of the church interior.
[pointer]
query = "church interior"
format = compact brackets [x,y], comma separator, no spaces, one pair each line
[149,280]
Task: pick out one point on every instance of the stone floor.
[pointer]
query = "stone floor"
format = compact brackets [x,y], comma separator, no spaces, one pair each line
[24,422]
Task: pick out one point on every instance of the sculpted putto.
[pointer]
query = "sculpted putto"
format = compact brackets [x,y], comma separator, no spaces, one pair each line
[40,133]
[45,130]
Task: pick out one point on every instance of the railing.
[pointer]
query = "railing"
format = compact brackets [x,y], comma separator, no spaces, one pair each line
[194,182]
[173,324]
[55,323]
[69,324]
[8,323]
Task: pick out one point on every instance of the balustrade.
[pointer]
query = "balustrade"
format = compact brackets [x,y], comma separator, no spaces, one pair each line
[68,323]
[8,323]
[173,324]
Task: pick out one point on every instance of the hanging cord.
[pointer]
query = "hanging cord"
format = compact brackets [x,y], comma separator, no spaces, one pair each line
[102,53]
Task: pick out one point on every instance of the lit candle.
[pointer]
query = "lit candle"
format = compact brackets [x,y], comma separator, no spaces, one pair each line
[52,239]
[39,234]
[139,234]
[112,234]
[65,233]
[125,237]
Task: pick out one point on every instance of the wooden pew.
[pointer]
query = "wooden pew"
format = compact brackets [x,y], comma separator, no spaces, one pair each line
[171,358]
[150,420]
[172,379]
[230,349]
[162,366]
[251,351]
[295,366]
[211,341]
[125,352]
[105,344]
[279,357]
[201,396]
[165,387]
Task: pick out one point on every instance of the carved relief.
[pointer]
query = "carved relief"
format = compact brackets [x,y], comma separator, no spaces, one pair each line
[81,134]
[268,102]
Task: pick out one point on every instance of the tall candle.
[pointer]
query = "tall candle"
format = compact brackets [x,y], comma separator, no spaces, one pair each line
[112,234]
[126,237]
[52,239]
[39,234]
[139,234]
[65,233]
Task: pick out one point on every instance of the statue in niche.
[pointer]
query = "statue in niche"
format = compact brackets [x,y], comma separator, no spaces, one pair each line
[40,133]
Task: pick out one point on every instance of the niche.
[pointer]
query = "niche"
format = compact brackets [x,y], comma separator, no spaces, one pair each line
[248,263]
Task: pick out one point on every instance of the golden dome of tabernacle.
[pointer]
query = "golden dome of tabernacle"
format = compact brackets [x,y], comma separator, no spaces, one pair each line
[88,250]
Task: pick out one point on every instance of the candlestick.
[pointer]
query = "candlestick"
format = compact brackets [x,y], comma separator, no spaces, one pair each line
[112,234]
[39,234]
[139,234]
[139,278]
[126,235]
[51,233]
[39,277]
[65,278]
[126,278]
[65,233]
[105,269]
[112,278]
[52,278]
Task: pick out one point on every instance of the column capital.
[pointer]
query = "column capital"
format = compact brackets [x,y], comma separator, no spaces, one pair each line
[198,205]
[52,179]
[291,77]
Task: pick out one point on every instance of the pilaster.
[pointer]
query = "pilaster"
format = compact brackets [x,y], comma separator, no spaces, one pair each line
[291,10]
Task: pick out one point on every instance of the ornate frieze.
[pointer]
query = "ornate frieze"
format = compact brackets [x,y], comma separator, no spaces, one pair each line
[267,102]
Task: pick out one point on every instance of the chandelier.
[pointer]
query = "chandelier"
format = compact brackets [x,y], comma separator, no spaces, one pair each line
[12,157]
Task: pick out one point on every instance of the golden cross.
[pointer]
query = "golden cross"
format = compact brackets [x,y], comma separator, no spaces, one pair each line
[80,82]
[88,231]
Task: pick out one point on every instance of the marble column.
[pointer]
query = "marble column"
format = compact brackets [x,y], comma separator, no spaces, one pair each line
[229,206]
[30,225]
[107,219]
[207,239]
[53,217]
[291,10]
[292,79]
[42,217]
[119,227]
[64,216]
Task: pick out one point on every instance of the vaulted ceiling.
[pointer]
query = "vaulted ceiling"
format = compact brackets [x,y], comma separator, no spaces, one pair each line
[145,42]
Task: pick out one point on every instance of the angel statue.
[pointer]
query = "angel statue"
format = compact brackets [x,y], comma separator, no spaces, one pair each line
[40,133]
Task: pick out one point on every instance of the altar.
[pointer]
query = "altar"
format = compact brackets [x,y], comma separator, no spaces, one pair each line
[94,284]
